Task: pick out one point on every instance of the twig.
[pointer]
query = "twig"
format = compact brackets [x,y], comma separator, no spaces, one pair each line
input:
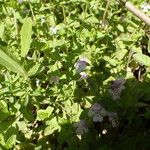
[106,10]
[135,11]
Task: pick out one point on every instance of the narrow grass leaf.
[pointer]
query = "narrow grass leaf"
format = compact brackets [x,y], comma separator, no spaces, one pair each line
[11,64]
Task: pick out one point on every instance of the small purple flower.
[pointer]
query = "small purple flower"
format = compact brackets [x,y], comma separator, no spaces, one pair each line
[84,76]
[54,80]
[81,127]
[81,64]
[116,88]
[97,112]
[113,119]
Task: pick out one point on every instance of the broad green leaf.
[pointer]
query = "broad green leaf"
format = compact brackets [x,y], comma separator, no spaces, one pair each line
[35,70]
[111,61]
[52,126]
[26,33]
[92,19]
[120,54]
[3,106]
[120,28]
[120,44]
[7,123]
[26,113]
[4,90]
[22,126]
[4,113]
[10,142]
[142,59]
[67,105]
[11,64]
[2,141]
[43,114]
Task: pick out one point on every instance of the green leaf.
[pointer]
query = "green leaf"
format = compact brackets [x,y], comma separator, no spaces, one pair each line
[26,33]
[35,70]
[11,64]
[120,28]
[8,139]
[92,19]
[3,106]
[52,126]
[4,113]
[1,30]
[111,61]
[22,126]
[142,59]
[27,114]
[120,54]
[43,114]
[7,123]
[4,90]
[11,141]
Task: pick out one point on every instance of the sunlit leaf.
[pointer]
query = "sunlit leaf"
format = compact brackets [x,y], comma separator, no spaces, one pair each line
[6,124]
[11,141]
[52,126]
[1,30]
[4,113]
[120,54]
[35,69]
[92,19]
[26,33]
[111,61]
[11,64]
[4,90]
[142,59]
[43,114]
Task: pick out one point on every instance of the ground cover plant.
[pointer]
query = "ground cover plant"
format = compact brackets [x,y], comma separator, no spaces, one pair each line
[74,75]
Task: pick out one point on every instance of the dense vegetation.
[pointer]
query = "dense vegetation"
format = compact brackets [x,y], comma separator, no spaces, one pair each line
[74,75]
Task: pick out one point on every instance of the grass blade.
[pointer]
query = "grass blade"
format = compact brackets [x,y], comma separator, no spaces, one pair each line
[11,64]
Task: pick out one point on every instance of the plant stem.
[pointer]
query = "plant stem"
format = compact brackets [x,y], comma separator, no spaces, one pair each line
[135,11]
[15,25]
[32,11]
[85,10]
[63,9]
[106,11]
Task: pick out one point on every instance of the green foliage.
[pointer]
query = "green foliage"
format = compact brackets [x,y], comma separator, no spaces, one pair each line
[52,125]
[46,102]
[11,64]
[142,59]
[43,114]
[25,36]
